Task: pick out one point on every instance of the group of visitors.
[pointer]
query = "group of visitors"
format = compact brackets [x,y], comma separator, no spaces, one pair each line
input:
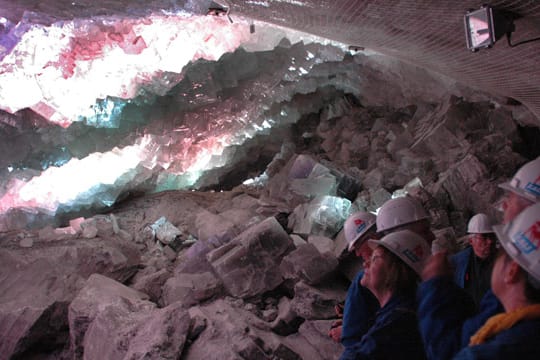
[410,303]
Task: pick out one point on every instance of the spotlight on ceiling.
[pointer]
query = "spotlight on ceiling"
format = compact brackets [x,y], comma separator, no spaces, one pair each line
[483,27]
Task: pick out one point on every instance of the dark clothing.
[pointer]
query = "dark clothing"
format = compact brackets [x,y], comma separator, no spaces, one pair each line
[472,273]
[393,334]
[360,307]
[489,306]
[521,342]
[448,317]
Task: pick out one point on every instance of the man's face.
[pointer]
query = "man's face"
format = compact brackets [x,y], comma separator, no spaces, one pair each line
[483,245]
[513,204]
[497,275]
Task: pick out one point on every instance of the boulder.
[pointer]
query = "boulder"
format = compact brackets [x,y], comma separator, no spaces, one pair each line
[323,243]
[230,333]
[323,215]
[151,282]
[34,299]
[308,264]
[118,332]
[37,284]
[99,294]
[233,333]
[317,303]
[190,289]
[316,333]
[249,265]
[286,321]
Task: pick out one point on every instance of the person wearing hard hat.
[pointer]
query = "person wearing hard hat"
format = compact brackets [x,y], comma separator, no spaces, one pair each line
[404,213]
[360,304]
[522,191]
[514,334]
[473,265]
[447,317]
[392,275]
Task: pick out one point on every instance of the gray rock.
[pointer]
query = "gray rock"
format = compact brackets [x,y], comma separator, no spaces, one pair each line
[283,352]
[317,303]
[100,293]
[34,297]
[118,332]
[298,240]
[316,333]
[190,289]
[341,245]
[209,224]
[104,224]
[151,283]
[26,243]
[286,321]
[89,229]
[466,184]
[249,265]
[37,284]
[230,333]
[323,215]
[322,243]
[165,231]
[308,264]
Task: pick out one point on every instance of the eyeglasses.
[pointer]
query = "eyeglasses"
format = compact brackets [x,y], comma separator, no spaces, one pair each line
[374,257]
[484,237]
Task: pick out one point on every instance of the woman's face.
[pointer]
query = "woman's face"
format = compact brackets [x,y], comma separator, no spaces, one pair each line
[375,278]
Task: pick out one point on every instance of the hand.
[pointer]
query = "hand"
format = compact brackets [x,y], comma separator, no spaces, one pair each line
[339,310]
[335,332]
[437,265]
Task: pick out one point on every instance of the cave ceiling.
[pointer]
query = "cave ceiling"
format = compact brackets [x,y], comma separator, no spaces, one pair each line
[102,98]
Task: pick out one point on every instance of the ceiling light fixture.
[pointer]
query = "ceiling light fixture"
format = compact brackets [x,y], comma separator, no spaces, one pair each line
[481,28]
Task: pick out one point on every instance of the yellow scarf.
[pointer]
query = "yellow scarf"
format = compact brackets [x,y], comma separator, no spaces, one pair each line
[501,322]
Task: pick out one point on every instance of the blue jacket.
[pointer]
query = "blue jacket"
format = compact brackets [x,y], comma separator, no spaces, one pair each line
[489,304]
[442,309]
[393,334]
[474,283]
[519,342]
[360,308]
[461,262]
[448,316]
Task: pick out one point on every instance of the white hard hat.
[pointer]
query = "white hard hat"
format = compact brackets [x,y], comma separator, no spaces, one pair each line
[400,211]
[526,181]
[408,246]
[521,239]
[357,225]
[480,224]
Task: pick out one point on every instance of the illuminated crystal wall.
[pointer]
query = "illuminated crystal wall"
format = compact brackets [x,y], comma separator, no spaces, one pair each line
[97,108]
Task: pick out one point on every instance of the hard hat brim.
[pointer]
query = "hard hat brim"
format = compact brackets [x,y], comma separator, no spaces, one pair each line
[482,232]
[511,249]
[374,243]
[392,228]
[506,186]
[352,244]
